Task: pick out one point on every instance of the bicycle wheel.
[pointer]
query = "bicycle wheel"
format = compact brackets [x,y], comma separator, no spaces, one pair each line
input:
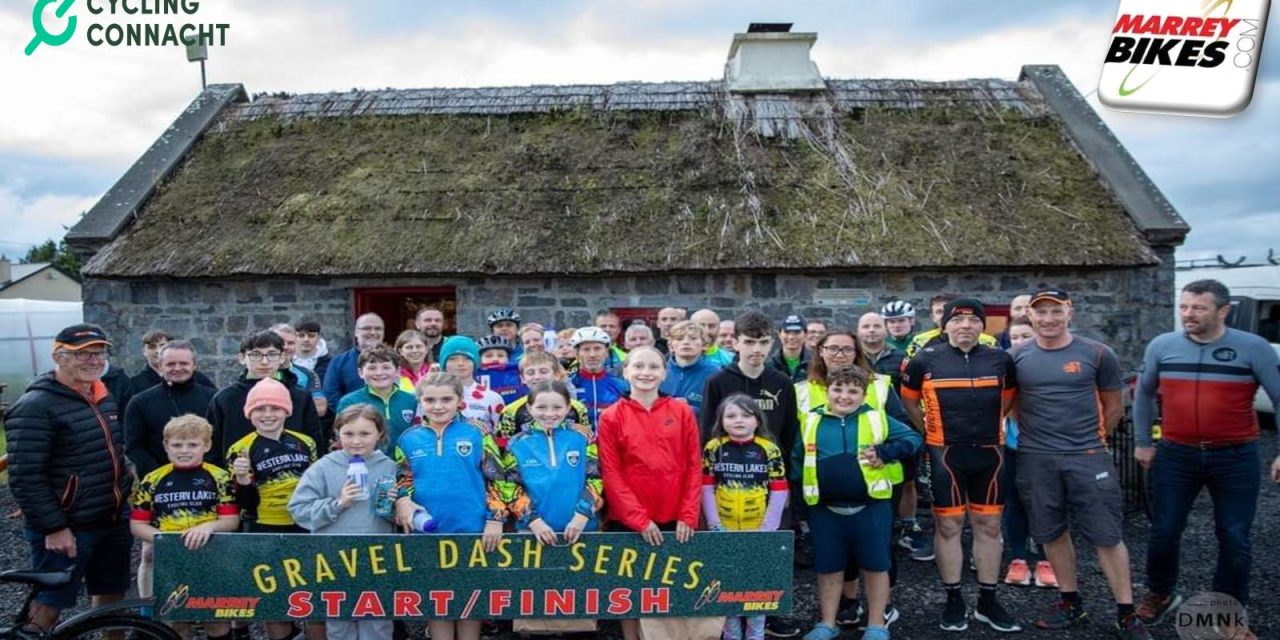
[116,627]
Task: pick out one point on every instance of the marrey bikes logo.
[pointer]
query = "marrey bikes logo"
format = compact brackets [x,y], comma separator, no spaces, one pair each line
[1186,57]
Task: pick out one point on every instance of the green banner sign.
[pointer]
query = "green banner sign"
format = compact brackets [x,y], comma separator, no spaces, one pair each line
[422,577]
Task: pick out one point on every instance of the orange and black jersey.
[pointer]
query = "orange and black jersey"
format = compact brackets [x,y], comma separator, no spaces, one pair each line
[172,499]
[963,393]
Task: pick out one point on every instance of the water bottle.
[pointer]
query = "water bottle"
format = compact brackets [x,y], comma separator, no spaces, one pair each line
[358,474]
[384,501]
[422,521]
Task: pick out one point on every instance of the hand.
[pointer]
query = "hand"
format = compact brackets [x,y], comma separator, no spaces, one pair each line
[405,508]
[493,534]
[242,470]
[579,522]
[197,536]
[652,534]
[871,458]
[1144,456]
[803,527]
[1275,470]
[683,532]
[350,494]
[544,533]
[61,541]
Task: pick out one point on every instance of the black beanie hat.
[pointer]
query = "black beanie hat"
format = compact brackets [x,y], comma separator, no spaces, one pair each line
[961,306]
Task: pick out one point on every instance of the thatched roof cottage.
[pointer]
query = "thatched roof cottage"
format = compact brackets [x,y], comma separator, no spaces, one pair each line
[793,193]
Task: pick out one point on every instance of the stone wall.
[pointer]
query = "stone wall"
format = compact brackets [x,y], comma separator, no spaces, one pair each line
[1123,307]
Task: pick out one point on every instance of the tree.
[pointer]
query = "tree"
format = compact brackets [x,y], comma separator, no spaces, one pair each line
[57,253]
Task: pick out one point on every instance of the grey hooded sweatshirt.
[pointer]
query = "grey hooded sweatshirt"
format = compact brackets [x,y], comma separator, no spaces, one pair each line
[314,505]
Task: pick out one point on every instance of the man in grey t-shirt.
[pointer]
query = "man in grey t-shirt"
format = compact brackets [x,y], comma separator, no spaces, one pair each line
[1069,398]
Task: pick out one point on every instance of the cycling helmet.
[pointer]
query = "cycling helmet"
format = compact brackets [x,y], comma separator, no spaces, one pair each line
[898,309]
[589,334]
[494,342]
[504,314]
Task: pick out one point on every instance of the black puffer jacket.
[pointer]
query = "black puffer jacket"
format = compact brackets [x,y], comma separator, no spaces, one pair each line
[150,411]
[66,457]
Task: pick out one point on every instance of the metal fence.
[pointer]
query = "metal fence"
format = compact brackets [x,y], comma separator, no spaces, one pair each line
[1133,479]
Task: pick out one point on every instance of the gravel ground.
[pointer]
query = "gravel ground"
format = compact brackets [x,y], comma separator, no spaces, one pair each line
[920,600]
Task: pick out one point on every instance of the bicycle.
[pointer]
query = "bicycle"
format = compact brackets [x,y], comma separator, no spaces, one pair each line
[114,620]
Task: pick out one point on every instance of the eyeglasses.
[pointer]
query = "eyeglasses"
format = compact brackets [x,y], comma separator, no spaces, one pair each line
[840,351]
[255,356]
[369,329]
[86,356]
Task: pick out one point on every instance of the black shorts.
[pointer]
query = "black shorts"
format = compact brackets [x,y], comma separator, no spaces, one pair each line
[101,563]
[967,477]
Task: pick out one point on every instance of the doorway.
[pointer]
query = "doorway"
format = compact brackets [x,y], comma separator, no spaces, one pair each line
[398,306]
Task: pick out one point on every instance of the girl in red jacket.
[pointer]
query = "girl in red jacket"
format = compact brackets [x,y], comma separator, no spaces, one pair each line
[650,459]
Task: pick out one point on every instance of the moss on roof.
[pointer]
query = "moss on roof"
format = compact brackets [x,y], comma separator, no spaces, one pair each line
[580,191]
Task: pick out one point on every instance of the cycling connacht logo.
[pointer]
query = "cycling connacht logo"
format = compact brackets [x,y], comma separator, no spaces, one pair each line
[42,35]
[1184,57]
[124,23]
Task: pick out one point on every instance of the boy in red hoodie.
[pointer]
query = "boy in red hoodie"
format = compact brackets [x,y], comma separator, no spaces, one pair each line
[651,452]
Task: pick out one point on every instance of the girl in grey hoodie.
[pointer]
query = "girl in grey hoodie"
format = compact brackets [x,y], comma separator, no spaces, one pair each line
[325,503]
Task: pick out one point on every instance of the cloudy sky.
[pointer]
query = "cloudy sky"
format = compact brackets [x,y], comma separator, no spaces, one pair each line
[74,117]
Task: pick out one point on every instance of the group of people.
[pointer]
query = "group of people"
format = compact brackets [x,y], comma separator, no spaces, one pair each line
[839,433]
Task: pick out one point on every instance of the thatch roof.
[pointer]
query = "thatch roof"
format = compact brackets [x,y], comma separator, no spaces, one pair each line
[629,178]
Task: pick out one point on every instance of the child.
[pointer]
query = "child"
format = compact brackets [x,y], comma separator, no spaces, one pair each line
[261,354]
[536,367]
[532,338]
[449,467]
[597,388]
[187,495]
[688,370]
[1016,525]
[325,502]
[650,458]
[461,357]
[564,347]
[265,467]
[498,370]
[840,460]
[415,358]
[744,484]
[381,374]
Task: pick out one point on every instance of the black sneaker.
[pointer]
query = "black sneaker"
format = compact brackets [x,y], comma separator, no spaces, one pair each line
[996,617]
[851,614]
[781,628]
[1061,616]
[1131,628]
[955,616]
[891,615]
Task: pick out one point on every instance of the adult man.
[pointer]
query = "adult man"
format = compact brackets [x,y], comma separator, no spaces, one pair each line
[311,350]
[179,394]
[710,323]
[505,323]
[65,440]
[966,389]
[935,335]
[638,335]
[725,336]
[873,335]
[1069,398]
[813,332]
[1019,307]
[791,357]
[900,322]
[307,380]
[429,321]
[153,343]
[1205,377]
[343,375]
[667,318]
[607,321]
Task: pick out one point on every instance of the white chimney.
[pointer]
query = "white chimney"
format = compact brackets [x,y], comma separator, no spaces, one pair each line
[769,58]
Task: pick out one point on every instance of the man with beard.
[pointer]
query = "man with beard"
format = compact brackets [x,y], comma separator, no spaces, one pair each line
[430,323]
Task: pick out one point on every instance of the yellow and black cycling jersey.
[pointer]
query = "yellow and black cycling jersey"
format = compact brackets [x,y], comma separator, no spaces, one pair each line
[172,499]
[743,474]
[276,465]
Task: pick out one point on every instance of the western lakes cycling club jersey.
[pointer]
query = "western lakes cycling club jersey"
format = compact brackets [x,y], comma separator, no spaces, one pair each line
[277,465]
[172,499]
[743,473]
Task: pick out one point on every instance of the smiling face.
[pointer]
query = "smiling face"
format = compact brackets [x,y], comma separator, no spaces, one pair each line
[177,365]
[414,352]
[380,376]
[739,423]
[359,437]
[83,366]
[531,374]
[1051,319]
[185,453]
[549,409]
[439,404]
[369,331]
[268,420]
[430,322]
[792,341]
[645,370]
[532,341]
[839,350]
[844,398]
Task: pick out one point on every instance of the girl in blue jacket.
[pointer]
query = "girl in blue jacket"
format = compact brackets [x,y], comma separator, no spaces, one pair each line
[553,473]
